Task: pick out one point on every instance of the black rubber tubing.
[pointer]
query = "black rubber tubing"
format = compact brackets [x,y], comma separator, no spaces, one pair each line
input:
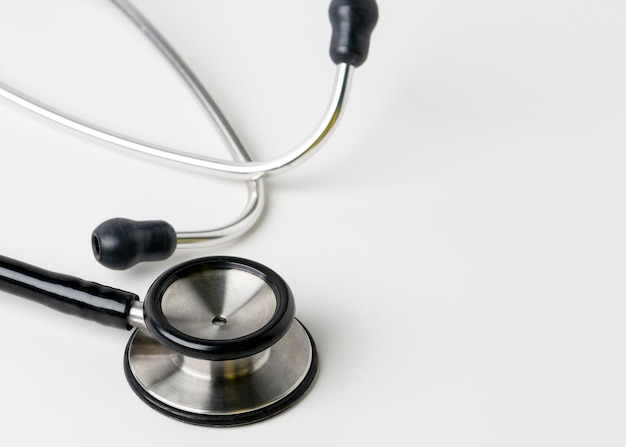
[67,294]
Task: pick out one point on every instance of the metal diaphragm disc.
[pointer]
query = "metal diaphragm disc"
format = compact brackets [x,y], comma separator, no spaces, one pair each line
[219,308]
[225,392]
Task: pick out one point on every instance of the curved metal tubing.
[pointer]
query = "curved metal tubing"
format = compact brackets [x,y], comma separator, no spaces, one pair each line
[256,188]
[241,170]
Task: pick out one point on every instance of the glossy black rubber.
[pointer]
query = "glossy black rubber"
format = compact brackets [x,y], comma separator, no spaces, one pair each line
[67,294]
[225,420]
[353,22]
[245,346]
[121,243]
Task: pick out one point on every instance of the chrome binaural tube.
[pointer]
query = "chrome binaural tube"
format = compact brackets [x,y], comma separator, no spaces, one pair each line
[256,188]
[242,170]
[242,167]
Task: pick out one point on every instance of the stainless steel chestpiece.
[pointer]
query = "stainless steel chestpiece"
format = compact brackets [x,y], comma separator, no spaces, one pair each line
[215,341]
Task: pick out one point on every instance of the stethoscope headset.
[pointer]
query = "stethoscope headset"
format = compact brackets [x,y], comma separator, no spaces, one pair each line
[215,340]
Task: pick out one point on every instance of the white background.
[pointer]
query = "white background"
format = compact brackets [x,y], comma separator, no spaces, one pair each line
[457,249]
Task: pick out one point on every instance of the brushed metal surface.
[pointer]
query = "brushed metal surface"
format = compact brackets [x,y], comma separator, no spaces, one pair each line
[221,387]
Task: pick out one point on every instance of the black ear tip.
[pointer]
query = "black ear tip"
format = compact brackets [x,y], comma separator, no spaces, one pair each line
[121,243]
[353,22]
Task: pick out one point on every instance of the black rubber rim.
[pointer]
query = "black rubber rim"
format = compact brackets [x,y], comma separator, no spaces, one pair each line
[225,420]
[245,346]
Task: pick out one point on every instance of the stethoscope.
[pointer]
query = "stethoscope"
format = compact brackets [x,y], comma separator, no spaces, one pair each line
[215,340]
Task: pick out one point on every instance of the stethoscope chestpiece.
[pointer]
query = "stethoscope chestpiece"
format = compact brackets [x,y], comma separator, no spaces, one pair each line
[222,346]
[216,342]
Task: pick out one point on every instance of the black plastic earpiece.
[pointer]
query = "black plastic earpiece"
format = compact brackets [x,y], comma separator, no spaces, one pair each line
[353,22]
[121,243]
